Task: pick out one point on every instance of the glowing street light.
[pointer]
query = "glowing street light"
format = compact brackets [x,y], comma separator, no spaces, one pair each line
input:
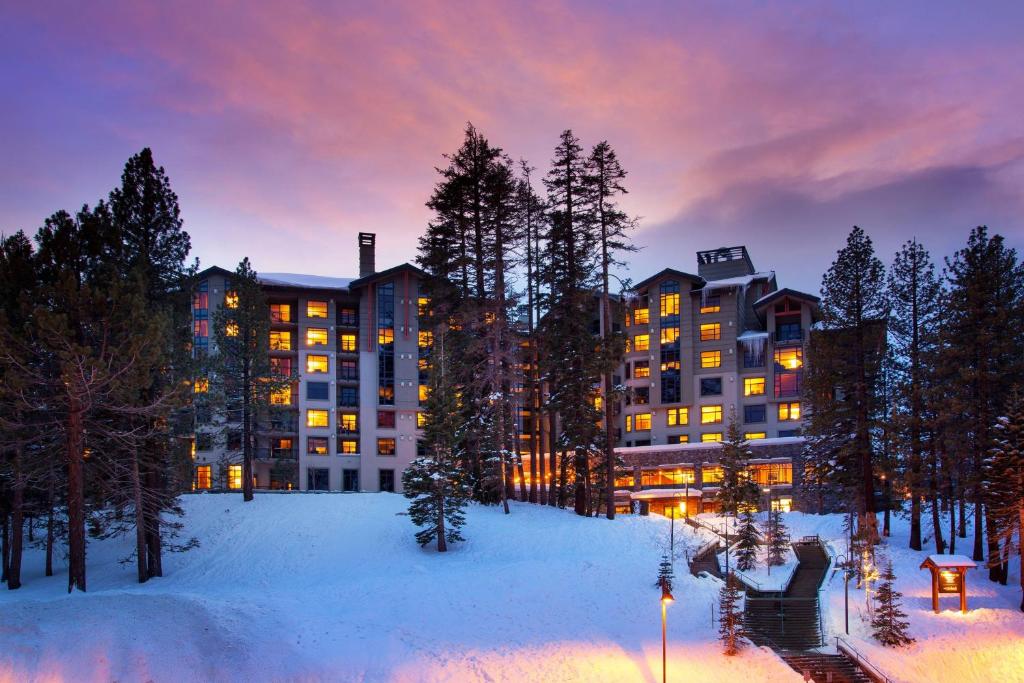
[666,600]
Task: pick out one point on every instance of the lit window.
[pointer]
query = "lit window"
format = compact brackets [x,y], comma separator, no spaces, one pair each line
[712,304]
[201,328]
[710,359]
[347,342]
[316,309]
[317,418]
[670,365]
[234,477]
[710,415]
[422,306]
[280,313]
[712,437]
[641,316]
[231,299]
[349,447]
[679,438]
[669,304]
[598,402]
[385,446]
[203,478]
[421,420]
[789,411]
[316,336]
[280,341]
[710,331]
[643,422]
[426,339]
[782,504]
[789,358]
[751,436]
[202,385]
[678,416]
[641,369]
[385,335]
[771,473]
[316,363]
[231,329]
[669,335]
[753,386]
[641,342]
[711,474]
[316,445]
[629,423]
[348,422]
[281,397]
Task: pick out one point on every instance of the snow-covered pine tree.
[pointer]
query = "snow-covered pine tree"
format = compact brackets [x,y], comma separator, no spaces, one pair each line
[1005,484]
[889,624]
[748,540]
[736,490]
[730,616]
[665,572]
[777,538]
[436,483]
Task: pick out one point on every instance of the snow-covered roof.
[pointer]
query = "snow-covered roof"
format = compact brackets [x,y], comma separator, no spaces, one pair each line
[649,494]
[750,335]
[951,561]
[741,281]
[303,280]
[670,447]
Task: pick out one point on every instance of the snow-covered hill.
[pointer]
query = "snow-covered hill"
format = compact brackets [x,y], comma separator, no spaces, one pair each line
[334,588]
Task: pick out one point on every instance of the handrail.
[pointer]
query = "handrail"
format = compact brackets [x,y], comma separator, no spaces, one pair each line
[870,669]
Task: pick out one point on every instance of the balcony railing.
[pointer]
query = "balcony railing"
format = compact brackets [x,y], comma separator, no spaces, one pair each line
[789,337]
[277,453]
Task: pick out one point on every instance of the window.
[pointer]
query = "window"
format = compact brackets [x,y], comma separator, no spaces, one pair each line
[347,342]
[424,392]
[667,477]
[348,370]
[751,436]
[677,416]
[641,342]
[629,423]
[421,420]
[771,473]
[317,418]
[231,329]
[669,303]
[753,386]
[201,386]
[711,386]
[669,334]
[348,397]
[710,332]
[753,355]
[784,504]
[425,340]
[316,309]
[710,415]
[316,336]
[316,445]
[204,441]
[641,316]
[282,367]
[387,480]
[788,329]
[316,363]
[348,423]
[642,369]
[755,414]
[711,304]
[385,336]
[280,341]
[234,440]
[231,299]
[789,411]
[643,422]
[711,474]
[280,313]
[203,479]
[318,478]
[789,359]
[350,480]
[386,419]
[316,391]
[711,437]
[201,299]
[281,397]
[201,329]
[234,477]
[711,359]
[422,307]
[679,438]
[385,446]
[348,317]
[641,397]
[789,432]
[787,384]
[348,447]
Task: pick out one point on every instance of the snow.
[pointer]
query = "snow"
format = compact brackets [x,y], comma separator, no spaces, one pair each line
[650,494]
[303,280]
[334,588]
[741,281]
[951,561]
[760,578]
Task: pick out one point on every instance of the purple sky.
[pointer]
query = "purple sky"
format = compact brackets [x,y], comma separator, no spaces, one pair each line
[288,127]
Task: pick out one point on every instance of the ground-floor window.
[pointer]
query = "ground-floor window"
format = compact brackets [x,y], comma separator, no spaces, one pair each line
[234,477]
[203,477]
[317,479]
[387,480]
[350,480]
[784,503]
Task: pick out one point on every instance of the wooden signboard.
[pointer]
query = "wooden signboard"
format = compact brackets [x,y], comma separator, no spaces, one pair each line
[948,577]
[950,581]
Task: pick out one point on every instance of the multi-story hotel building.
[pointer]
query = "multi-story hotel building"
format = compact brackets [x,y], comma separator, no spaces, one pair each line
[350,420]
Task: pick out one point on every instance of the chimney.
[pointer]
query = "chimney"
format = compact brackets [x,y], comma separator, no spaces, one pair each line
[366,252]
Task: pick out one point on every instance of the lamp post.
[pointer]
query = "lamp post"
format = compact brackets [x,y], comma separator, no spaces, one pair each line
[666,600]
[846,589]
[686,502]
[768,490]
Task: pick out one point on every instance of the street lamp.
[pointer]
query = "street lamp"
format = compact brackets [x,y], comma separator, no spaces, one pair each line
[666,600]
[768,490]
[847,571]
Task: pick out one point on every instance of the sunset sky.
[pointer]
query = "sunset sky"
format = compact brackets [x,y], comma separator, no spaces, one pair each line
[286,128]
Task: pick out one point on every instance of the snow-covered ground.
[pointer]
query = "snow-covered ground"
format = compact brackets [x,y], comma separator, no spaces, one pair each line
[334,588]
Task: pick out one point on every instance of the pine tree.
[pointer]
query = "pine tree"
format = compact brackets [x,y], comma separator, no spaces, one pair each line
[888,624]
[736,490]
[1005,486]
[436,483]
[777,537]
[730,616]
[666,573]
[748,540]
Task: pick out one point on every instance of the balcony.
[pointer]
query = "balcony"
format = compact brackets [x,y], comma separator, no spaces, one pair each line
[281,424]
[277,453]
[788,337]
[788,384]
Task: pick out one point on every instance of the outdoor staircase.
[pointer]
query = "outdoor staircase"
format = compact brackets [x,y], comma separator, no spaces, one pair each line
[825,668]
[791,620]
[706,560]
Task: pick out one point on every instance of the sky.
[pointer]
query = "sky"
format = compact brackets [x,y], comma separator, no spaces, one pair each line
[288,127]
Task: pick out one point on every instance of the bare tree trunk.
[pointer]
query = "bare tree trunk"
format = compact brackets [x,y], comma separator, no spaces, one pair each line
[542,470]
[580,462]
[151,512]
[5,545]
[141,547]
[442,543]
[563,479]
[76,497]
[940,545]
[17,523]
[553,497]
[1020,548]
